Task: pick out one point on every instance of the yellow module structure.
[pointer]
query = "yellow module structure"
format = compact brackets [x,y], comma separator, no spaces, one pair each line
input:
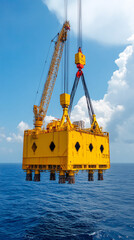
[65,148]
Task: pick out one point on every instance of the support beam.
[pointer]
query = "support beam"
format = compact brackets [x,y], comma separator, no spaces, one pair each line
[62,177]
[71,177]
[37,176]
[67,174]
[100,174]
[90,175]
[28,175]
[52,175]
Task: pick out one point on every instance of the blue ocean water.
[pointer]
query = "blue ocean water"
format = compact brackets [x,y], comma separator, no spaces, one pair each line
[84,210]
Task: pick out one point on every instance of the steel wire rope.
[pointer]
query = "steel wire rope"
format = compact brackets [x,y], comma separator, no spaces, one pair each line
[79,24]
[65,8]
[62,75]
[68,43]
[65,66]
[88,100]
[44,66]
[66,53]
[76,81]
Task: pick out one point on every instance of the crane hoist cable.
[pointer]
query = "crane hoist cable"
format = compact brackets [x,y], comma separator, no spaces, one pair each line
[80,61]
[79,24]
[66,53]
[66,65]
[66,8]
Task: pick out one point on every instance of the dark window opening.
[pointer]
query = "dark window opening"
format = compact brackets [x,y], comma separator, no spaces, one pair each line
[34,147]
[91,147]
[101,148]
[52,146]
[77,146]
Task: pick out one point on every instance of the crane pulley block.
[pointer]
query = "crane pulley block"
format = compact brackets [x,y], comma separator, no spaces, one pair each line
[80,58]
[65,100]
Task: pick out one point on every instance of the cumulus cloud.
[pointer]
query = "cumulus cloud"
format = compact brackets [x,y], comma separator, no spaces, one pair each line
[104,111]
[106,21]
[22,126]
[49,119]
[17,136]
[9,139]
[115,112]
[2,135]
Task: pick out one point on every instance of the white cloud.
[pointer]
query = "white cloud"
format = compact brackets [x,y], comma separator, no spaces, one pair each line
[115,112]
[2,134]
[106,21]
[14,137]
[104,111]
[9,139]
[22,126]
[18,137]
[126,130]
[49,119]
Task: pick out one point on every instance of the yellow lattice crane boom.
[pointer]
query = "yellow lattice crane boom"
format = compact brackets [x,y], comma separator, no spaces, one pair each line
[41,110]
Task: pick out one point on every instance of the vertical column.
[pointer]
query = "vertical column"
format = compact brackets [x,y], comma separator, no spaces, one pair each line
[37,176]
[29,175]
[71,177]
[100,174]
[90,175]
[52,175]
[62,176]
[67,174]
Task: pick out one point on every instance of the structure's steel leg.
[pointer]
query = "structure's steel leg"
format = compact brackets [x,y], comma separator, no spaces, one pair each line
[37,176]
[71,177]
[100,174]
[29,175]
[90,175]
[52,175]
[67,174]
[62,177]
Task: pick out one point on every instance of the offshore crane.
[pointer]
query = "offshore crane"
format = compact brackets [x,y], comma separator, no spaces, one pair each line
[64,147]
[41,110]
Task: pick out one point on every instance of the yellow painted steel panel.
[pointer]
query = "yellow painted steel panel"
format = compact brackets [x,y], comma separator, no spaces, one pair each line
[83,156]
[42,154]
[71,150]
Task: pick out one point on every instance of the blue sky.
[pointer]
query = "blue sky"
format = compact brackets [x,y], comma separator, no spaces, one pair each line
[26,29]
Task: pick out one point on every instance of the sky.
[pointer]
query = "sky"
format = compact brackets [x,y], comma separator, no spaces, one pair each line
[26,31]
